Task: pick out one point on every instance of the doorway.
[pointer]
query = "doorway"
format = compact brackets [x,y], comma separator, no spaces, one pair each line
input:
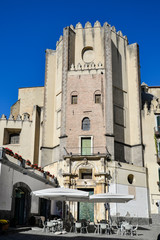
[21,203]
[85,209]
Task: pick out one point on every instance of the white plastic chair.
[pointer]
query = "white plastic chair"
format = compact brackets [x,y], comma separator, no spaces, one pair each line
[49,226]
[78,226]
[103,227]
[128,229]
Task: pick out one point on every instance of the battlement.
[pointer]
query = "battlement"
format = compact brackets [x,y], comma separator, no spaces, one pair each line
[89,26]
[24,117]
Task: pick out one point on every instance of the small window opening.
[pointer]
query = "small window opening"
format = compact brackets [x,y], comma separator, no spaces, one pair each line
[85,174]
[74,99]
[130,178]
[97,98]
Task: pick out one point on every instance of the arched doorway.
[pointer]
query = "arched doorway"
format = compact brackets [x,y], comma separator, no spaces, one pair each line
[21,203]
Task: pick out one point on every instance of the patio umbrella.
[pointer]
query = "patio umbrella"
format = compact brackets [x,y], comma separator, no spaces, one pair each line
[110,198]
[62,194]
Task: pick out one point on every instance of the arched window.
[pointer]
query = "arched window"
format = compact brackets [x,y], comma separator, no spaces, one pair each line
[86,124]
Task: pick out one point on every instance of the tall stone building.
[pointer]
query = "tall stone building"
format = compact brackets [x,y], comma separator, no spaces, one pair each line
[87,131]
[151,141]
[92,135]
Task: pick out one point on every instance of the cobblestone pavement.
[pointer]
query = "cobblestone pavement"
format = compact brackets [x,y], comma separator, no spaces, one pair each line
[144,233]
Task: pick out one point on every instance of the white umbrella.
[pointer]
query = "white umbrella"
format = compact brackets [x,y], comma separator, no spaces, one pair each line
[62,194]
[110,197]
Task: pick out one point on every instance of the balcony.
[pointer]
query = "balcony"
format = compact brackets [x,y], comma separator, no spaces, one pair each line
[88,152]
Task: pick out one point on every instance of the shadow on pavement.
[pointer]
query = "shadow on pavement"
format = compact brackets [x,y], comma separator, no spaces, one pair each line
[23,236]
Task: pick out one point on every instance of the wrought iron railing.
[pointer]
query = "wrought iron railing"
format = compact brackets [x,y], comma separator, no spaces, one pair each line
[86,151]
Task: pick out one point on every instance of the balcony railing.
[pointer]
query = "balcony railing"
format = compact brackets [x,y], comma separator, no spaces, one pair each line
[86,151]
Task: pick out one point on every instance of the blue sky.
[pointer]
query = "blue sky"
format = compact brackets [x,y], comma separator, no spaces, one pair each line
[28,27]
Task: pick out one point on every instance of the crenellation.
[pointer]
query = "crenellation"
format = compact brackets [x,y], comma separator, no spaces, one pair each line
[19,117]
[120,33]
[86,66]
[3,117]
[97,24]
[88,25]
[106,24]
[11,117]
[113,29]
[78,25]
[79,66]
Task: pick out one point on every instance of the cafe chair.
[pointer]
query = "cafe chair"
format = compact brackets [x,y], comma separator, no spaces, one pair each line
[134,230]
[49,226]
[78,227]
[128,229]
[103,227]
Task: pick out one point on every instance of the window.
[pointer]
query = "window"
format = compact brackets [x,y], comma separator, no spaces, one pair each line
[86,124]
[14,138]
[86,146]
[130,178]
[86,175]
[158,123]
[74,99]
[97,98]
[11,136]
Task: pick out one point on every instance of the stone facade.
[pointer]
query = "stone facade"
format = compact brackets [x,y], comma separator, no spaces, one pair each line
[86,126]
[151,141]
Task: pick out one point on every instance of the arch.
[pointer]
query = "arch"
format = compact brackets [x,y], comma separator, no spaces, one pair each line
[86,124]
[21,203]
[81,164]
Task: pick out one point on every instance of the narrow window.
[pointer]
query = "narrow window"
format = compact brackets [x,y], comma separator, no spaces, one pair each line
[74,99]
[97,98]
[158,124]
[86,124]
[86,146]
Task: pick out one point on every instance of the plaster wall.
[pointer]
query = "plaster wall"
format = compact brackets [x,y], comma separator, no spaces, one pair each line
[150,154]
[29,97]
[25,147]
[8,177]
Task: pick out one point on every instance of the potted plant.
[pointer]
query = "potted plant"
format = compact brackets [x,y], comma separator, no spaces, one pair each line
[4,224]
[28,162]
[9,152]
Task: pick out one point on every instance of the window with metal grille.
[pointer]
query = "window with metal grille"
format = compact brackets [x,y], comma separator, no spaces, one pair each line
[86,124]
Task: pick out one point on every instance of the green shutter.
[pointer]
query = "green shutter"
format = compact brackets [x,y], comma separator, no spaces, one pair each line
[158,123]
[86,146]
